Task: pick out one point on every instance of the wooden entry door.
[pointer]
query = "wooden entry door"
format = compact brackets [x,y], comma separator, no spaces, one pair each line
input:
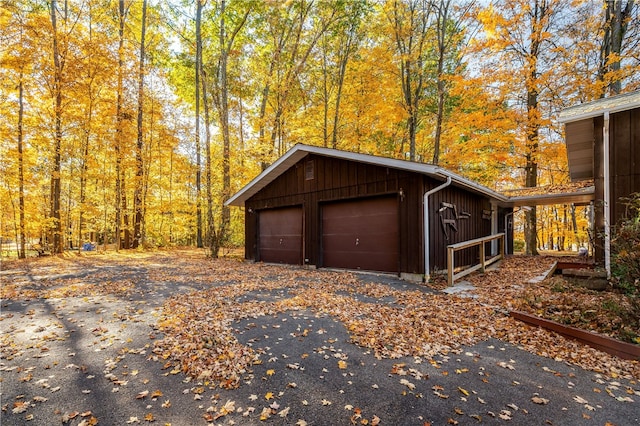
[361,234]
[280,235]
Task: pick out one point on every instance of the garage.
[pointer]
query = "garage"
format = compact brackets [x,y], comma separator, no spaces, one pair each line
[280,235]
[361,234]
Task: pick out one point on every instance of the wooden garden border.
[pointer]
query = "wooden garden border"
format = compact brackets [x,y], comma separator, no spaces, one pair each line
[595,340]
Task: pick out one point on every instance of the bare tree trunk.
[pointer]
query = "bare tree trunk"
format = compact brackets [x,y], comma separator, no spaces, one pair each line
[211,229]
[615,27]
[533,122]
[221,97]
[56,240]
[441,29]
[138,238]
[21,233]
[410,24]
[120,196]
[200,4]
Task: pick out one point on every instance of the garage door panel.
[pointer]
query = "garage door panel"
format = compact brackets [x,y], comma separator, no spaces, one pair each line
[280,235]
[361,234]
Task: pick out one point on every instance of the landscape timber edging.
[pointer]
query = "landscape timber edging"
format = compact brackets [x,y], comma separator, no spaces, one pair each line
[598,341]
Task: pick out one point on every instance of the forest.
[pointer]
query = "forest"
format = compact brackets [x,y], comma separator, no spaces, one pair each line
[128,123]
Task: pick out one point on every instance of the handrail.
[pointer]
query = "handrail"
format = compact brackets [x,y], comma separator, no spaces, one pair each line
[452,248]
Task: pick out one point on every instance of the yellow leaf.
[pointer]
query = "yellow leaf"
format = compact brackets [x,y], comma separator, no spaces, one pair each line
[271,372]
[268,396]
[342,365]
[266,413]
[464,391]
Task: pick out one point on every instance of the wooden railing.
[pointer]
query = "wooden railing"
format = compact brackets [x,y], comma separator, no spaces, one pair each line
[452,248]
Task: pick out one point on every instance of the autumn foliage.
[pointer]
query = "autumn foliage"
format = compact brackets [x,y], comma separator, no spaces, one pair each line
[98,135]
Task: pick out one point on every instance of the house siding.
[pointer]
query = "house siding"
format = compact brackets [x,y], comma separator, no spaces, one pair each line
[317,179]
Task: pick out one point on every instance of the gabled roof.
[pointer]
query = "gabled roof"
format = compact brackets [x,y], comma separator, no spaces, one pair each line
[598,107]
[578,194]
[300,151]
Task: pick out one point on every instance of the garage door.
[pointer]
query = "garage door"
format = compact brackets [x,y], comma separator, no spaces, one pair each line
[280,235]
[361,234]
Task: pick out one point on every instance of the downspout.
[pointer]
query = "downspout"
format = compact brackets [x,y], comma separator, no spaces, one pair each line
[607,197]
[425,206]
[506,231]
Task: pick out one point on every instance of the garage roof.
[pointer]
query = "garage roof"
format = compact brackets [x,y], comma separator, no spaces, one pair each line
[576,193]
[300,151]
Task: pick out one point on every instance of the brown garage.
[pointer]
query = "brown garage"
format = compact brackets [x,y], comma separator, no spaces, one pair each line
[361,234]
[329,208]
[280,235]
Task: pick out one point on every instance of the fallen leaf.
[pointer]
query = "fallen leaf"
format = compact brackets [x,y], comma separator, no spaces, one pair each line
[538,400]
[266,413]
[284,412]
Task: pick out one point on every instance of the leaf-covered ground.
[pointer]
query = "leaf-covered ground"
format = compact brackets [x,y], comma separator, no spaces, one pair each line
[557,298]
[175,338]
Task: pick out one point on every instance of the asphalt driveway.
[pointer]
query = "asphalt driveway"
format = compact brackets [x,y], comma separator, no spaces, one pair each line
[79,346]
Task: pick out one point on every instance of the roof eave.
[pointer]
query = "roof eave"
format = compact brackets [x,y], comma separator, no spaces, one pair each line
[584,196]
[299,151]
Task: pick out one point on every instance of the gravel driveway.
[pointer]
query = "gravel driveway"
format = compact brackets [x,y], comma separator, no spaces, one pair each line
[80,337]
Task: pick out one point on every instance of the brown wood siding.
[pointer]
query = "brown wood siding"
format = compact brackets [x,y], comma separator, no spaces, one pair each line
[624,168]
[470,224]
[339,180]
[625,159]
[579,139]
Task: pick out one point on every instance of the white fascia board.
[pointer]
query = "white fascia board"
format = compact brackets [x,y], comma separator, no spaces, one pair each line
[597,108]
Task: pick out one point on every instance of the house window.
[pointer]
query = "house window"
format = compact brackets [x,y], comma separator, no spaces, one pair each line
[308,170]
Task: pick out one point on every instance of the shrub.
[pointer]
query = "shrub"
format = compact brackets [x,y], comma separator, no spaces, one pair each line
[625,265]
[625,249]
[518,245]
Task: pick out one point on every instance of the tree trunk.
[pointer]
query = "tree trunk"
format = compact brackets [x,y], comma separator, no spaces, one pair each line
[21,233]
[138,238]
[56,239]
[615,27]
[198,64]
[120,196]
[533,123]
[441,29]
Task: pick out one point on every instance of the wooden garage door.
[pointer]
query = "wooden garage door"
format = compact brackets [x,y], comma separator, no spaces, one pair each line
[280,235]
[361,234]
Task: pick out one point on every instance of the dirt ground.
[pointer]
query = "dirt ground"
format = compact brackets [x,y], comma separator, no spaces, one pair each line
[176,338]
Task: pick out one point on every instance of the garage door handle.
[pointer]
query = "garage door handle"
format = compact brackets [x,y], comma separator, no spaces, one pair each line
[280,241]
[357,241]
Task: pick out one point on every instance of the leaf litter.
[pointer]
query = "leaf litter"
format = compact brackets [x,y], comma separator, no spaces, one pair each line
[196,333]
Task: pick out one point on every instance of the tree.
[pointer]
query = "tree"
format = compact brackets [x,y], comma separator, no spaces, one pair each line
[138,226]
[410,22]
[616,25]
[523,33]
[449,36]
[220,95]
[58,61]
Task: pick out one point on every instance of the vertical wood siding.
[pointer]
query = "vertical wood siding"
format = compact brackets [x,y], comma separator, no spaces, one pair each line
[337,179]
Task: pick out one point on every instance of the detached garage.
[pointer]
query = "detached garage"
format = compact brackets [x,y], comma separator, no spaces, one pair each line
[328,208]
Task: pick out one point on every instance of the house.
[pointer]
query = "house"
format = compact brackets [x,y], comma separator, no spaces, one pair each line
[603,144]
[329,208]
